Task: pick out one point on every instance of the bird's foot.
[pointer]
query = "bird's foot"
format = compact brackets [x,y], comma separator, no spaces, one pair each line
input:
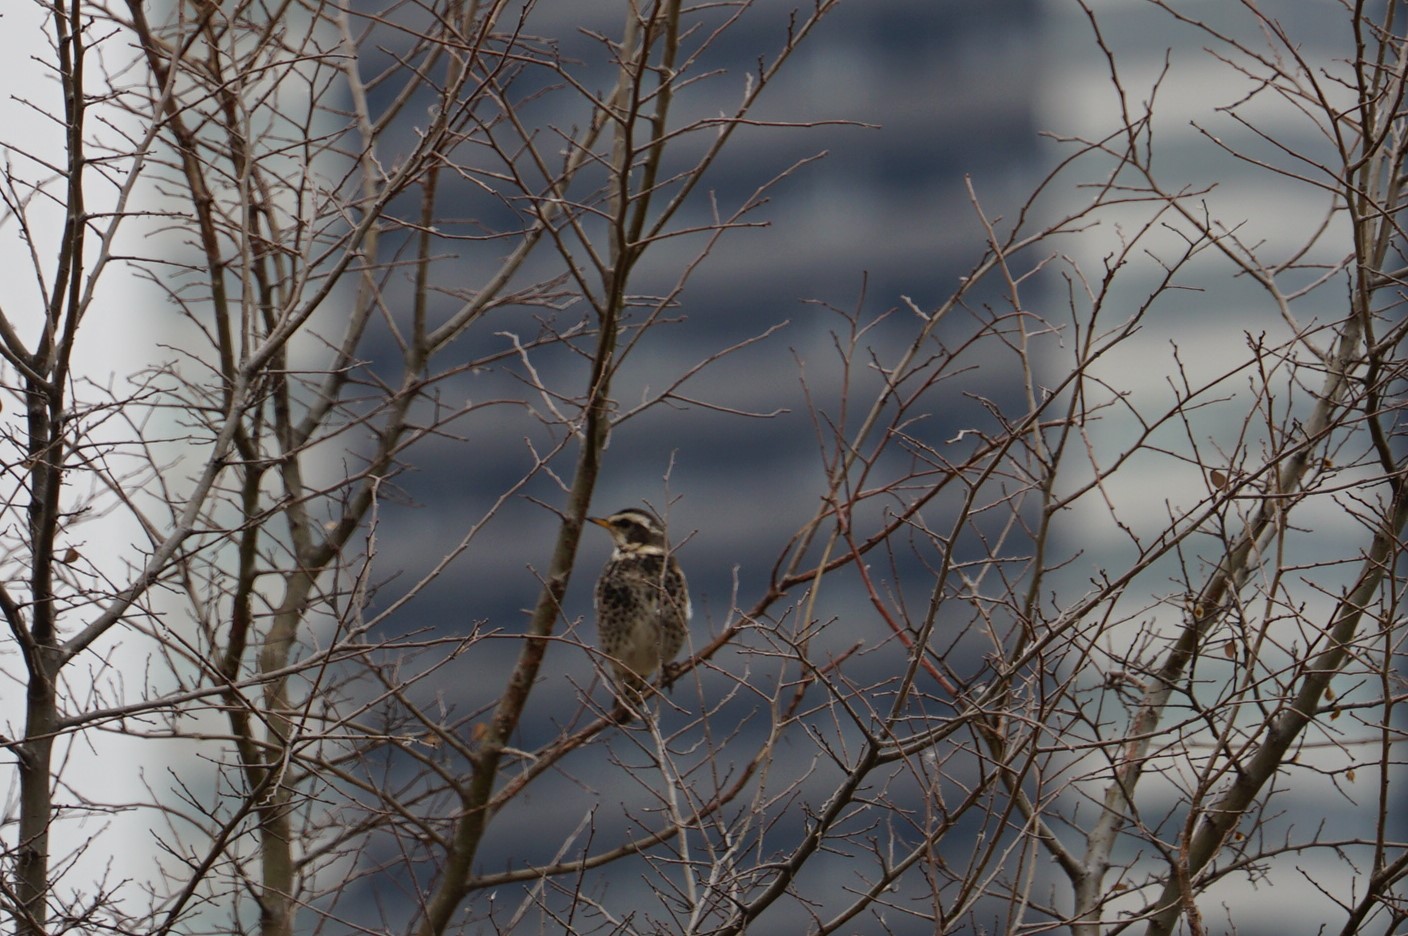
[668,674]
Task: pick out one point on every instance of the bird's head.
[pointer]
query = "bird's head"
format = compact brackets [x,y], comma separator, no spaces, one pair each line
[634,530]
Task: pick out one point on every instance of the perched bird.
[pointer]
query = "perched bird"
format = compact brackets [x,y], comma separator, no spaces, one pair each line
[642,600]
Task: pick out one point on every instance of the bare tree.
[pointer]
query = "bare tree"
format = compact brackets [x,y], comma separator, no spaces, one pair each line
[1052,651]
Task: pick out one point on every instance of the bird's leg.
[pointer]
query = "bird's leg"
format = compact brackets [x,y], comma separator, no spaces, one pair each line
[631,692]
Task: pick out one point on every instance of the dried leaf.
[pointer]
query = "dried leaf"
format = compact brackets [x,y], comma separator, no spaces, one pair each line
[1218,479]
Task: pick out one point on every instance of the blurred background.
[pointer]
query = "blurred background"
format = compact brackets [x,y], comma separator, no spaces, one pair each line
[957,96]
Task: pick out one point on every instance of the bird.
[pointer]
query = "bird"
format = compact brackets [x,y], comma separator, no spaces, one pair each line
[642,599]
